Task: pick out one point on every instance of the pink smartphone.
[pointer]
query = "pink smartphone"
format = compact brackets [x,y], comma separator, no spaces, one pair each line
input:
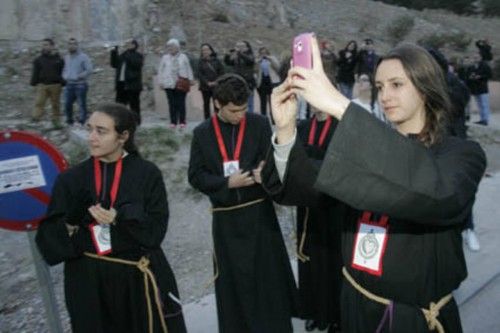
[302,50]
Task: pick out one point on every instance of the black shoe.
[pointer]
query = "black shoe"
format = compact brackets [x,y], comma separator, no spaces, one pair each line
[334,328]
[321,325]
[481,122]
[310,325]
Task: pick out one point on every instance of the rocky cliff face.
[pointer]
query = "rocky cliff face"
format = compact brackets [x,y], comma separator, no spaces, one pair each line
[87,20]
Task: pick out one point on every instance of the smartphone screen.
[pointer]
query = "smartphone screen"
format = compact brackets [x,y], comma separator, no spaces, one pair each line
[302,50]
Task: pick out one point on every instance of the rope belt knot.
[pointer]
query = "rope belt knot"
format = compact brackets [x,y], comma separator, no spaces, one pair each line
[149,279]
[431,315]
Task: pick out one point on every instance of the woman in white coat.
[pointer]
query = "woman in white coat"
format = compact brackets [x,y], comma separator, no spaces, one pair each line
[175,76]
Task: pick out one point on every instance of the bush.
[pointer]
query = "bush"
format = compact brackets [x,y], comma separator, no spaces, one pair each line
[460,41]
[435,41]
[400,27]
[220,17]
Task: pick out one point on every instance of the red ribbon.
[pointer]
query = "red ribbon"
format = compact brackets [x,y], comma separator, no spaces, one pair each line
[220,141]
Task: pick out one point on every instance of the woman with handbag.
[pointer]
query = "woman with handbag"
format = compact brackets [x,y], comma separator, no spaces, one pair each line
[175,76]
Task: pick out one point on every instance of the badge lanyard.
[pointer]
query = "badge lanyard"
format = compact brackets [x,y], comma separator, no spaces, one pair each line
[229,166]
[324,132]
[370,244]
[100,233]
[220,141]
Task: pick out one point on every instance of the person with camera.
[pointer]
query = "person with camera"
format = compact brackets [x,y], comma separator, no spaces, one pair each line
[128,77]
[242,60]
[406,190]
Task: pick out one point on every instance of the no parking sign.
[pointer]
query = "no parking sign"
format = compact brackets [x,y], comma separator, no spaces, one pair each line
[29,166]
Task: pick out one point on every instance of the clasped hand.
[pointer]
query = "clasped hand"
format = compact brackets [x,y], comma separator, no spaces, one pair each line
[102,215]
[247,178]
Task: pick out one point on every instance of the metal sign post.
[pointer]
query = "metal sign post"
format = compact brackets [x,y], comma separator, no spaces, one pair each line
[29,166]
[46,287]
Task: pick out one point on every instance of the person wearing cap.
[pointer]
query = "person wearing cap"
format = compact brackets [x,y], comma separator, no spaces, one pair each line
[174,68]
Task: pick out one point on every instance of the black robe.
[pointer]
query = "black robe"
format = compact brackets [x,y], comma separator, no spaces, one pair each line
[255,289]
[320,277]
[426,192]
[104,297]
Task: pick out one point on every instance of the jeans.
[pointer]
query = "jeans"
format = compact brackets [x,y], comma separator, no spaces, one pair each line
[250,102]
[483,103]
[78,92]
[346,89]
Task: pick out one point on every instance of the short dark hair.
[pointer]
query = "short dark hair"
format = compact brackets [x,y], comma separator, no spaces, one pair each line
[231,88]
[368,41]
[72,39]
[49,40]
[125,120]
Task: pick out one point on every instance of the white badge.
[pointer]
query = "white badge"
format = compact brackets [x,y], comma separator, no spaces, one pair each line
[101,235]
[231,167]
[369,248]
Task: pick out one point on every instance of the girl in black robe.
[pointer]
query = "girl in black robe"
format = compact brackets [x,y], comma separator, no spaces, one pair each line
[406,192]
[113,195]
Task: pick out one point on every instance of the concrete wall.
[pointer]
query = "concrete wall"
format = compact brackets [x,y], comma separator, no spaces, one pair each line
[86,20]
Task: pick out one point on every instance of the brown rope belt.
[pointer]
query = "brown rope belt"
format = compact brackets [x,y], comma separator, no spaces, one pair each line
[300,252]
[430,314]
[243,205]
[226,209]
[149,278]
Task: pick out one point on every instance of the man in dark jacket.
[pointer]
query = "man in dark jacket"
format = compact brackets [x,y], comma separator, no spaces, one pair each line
[128,78]
[46,77]
[477,80]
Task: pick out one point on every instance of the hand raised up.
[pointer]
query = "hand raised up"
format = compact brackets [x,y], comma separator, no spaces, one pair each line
[315,87]
[284,108]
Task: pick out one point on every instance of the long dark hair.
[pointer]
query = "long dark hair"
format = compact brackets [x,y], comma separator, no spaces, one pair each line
[428,79]
[125,120]
[250,50]
[213,54]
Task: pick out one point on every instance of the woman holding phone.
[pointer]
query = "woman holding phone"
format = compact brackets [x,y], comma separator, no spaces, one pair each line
[406,190]
[106,220]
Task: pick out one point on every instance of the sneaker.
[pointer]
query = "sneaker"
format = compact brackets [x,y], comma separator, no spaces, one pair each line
[173,126]
[471,240]
[481,122]
[182,126]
